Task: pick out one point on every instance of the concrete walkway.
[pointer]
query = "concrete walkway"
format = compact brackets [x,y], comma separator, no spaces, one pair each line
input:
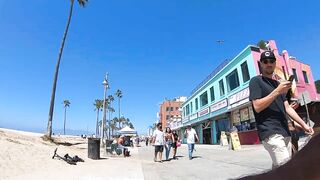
[210,162]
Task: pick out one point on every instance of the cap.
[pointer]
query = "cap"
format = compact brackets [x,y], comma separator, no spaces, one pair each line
[267,55]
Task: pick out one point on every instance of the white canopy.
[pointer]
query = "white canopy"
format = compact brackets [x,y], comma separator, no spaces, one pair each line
[127,130]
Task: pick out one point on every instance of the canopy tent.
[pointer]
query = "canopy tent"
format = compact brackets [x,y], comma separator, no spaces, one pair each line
[127,131]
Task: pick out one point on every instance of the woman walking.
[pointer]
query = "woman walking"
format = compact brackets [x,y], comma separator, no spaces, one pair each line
[174,144]
[169,141]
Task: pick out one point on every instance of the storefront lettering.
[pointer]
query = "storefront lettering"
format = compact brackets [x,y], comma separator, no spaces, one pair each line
[194,116]
[239,96]
[204,112]
[219,105]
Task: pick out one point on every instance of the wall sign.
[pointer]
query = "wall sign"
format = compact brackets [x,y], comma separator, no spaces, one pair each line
[219,105]
[204,112]
[239,96]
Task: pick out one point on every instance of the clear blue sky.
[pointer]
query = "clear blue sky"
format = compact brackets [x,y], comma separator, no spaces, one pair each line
[151,49]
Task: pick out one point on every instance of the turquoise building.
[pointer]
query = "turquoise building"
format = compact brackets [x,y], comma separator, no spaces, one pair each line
[215,105]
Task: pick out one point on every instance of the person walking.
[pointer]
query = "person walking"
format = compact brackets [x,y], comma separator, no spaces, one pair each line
[147,141]
[270,109]
[169,141]
[174,144]
[192,137]
[158,141]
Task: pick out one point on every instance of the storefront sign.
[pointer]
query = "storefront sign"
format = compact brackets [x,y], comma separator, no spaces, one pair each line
[251,115]
[244,113]
[204,112]
[194,116]
[235,141]
[239,96]
[219,105]
[235,116]
[223,139]
[239,103]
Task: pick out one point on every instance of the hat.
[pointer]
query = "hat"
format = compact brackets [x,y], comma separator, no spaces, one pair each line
[267,55]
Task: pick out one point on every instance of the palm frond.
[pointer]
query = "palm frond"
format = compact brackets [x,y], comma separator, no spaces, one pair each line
[82,3]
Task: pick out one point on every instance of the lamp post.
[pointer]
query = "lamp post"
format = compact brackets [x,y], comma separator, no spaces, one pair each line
[106,86]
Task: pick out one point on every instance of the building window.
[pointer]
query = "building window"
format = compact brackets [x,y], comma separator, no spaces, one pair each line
[167,117]
[221,87]
[232,80]
[196,102]
[245,72]
[184,111]
[187,110]
[204,99]
[171,108]
[294,71]
[305,76]
[191,107]
[177,108]
[212,94]
[167,109]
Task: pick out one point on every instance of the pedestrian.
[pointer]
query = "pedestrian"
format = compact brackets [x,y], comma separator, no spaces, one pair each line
[147,141]
[270,109]
[174,144]
[169,140]
[158,141]
[192,137]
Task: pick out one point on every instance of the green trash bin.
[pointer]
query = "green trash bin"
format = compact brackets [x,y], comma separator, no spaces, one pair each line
[94,148]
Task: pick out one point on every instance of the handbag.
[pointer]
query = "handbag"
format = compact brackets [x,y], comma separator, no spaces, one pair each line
[178,144]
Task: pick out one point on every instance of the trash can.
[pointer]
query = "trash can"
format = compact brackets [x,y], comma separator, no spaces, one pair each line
[94,148]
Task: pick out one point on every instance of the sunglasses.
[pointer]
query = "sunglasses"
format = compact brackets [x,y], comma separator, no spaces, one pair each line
[266,61]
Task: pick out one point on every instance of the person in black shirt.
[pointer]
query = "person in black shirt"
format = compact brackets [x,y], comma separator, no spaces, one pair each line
[270,109]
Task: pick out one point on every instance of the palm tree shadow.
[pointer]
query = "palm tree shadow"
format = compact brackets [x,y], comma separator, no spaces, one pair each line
[68,144]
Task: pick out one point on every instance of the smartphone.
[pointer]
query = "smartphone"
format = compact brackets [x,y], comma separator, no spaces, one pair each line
[291,78]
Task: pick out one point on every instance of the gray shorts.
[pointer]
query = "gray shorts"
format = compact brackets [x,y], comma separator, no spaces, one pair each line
[158,148]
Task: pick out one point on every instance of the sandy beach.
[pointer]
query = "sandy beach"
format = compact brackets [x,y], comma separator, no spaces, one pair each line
[24,155]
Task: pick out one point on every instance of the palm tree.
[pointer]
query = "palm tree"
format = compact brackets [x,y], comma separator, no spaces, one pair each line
[98,104]
[82,3]
[66,103]
[119,95]
[113,124]
[131,125]
[262,45]
[121,121]
[111,110]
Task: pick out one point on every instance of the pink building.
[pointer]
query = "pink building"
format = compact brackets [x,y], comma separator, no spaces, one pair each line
[304,89]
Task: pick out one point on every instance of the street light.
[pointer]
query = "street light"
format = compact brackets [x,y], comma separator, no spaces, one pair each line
[106,86]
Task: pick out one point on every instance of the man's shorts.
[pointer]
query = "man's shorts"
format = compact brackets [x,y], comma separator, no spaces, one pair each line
[158,148]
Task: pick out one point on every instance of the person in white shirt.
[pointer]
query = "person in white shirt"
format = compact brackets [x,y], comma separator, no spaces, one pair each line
[192,137]
[158,141]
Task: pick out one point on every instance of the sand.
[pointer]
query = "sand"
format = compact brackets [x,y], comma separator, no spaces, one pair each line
[24,155]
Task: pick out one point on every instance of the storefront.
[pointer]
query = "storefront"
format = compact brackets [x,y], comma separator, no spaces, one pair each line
[243,120]
[242,117]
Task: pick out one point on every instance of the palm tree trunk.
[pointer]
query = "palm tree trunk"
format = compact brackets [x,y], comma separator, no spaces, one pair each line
[119,111]
[65,117]
[109,124]
[97,124]
[49,126]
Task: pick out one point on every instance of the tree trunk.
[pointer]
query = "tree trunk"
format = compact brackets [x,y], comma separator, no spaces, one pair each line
[65,117]
[97,124]
[119,111]
[49,126]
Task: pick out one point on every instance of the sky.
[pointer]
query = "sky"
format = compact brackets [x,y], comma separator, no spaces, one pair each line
[152,50]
